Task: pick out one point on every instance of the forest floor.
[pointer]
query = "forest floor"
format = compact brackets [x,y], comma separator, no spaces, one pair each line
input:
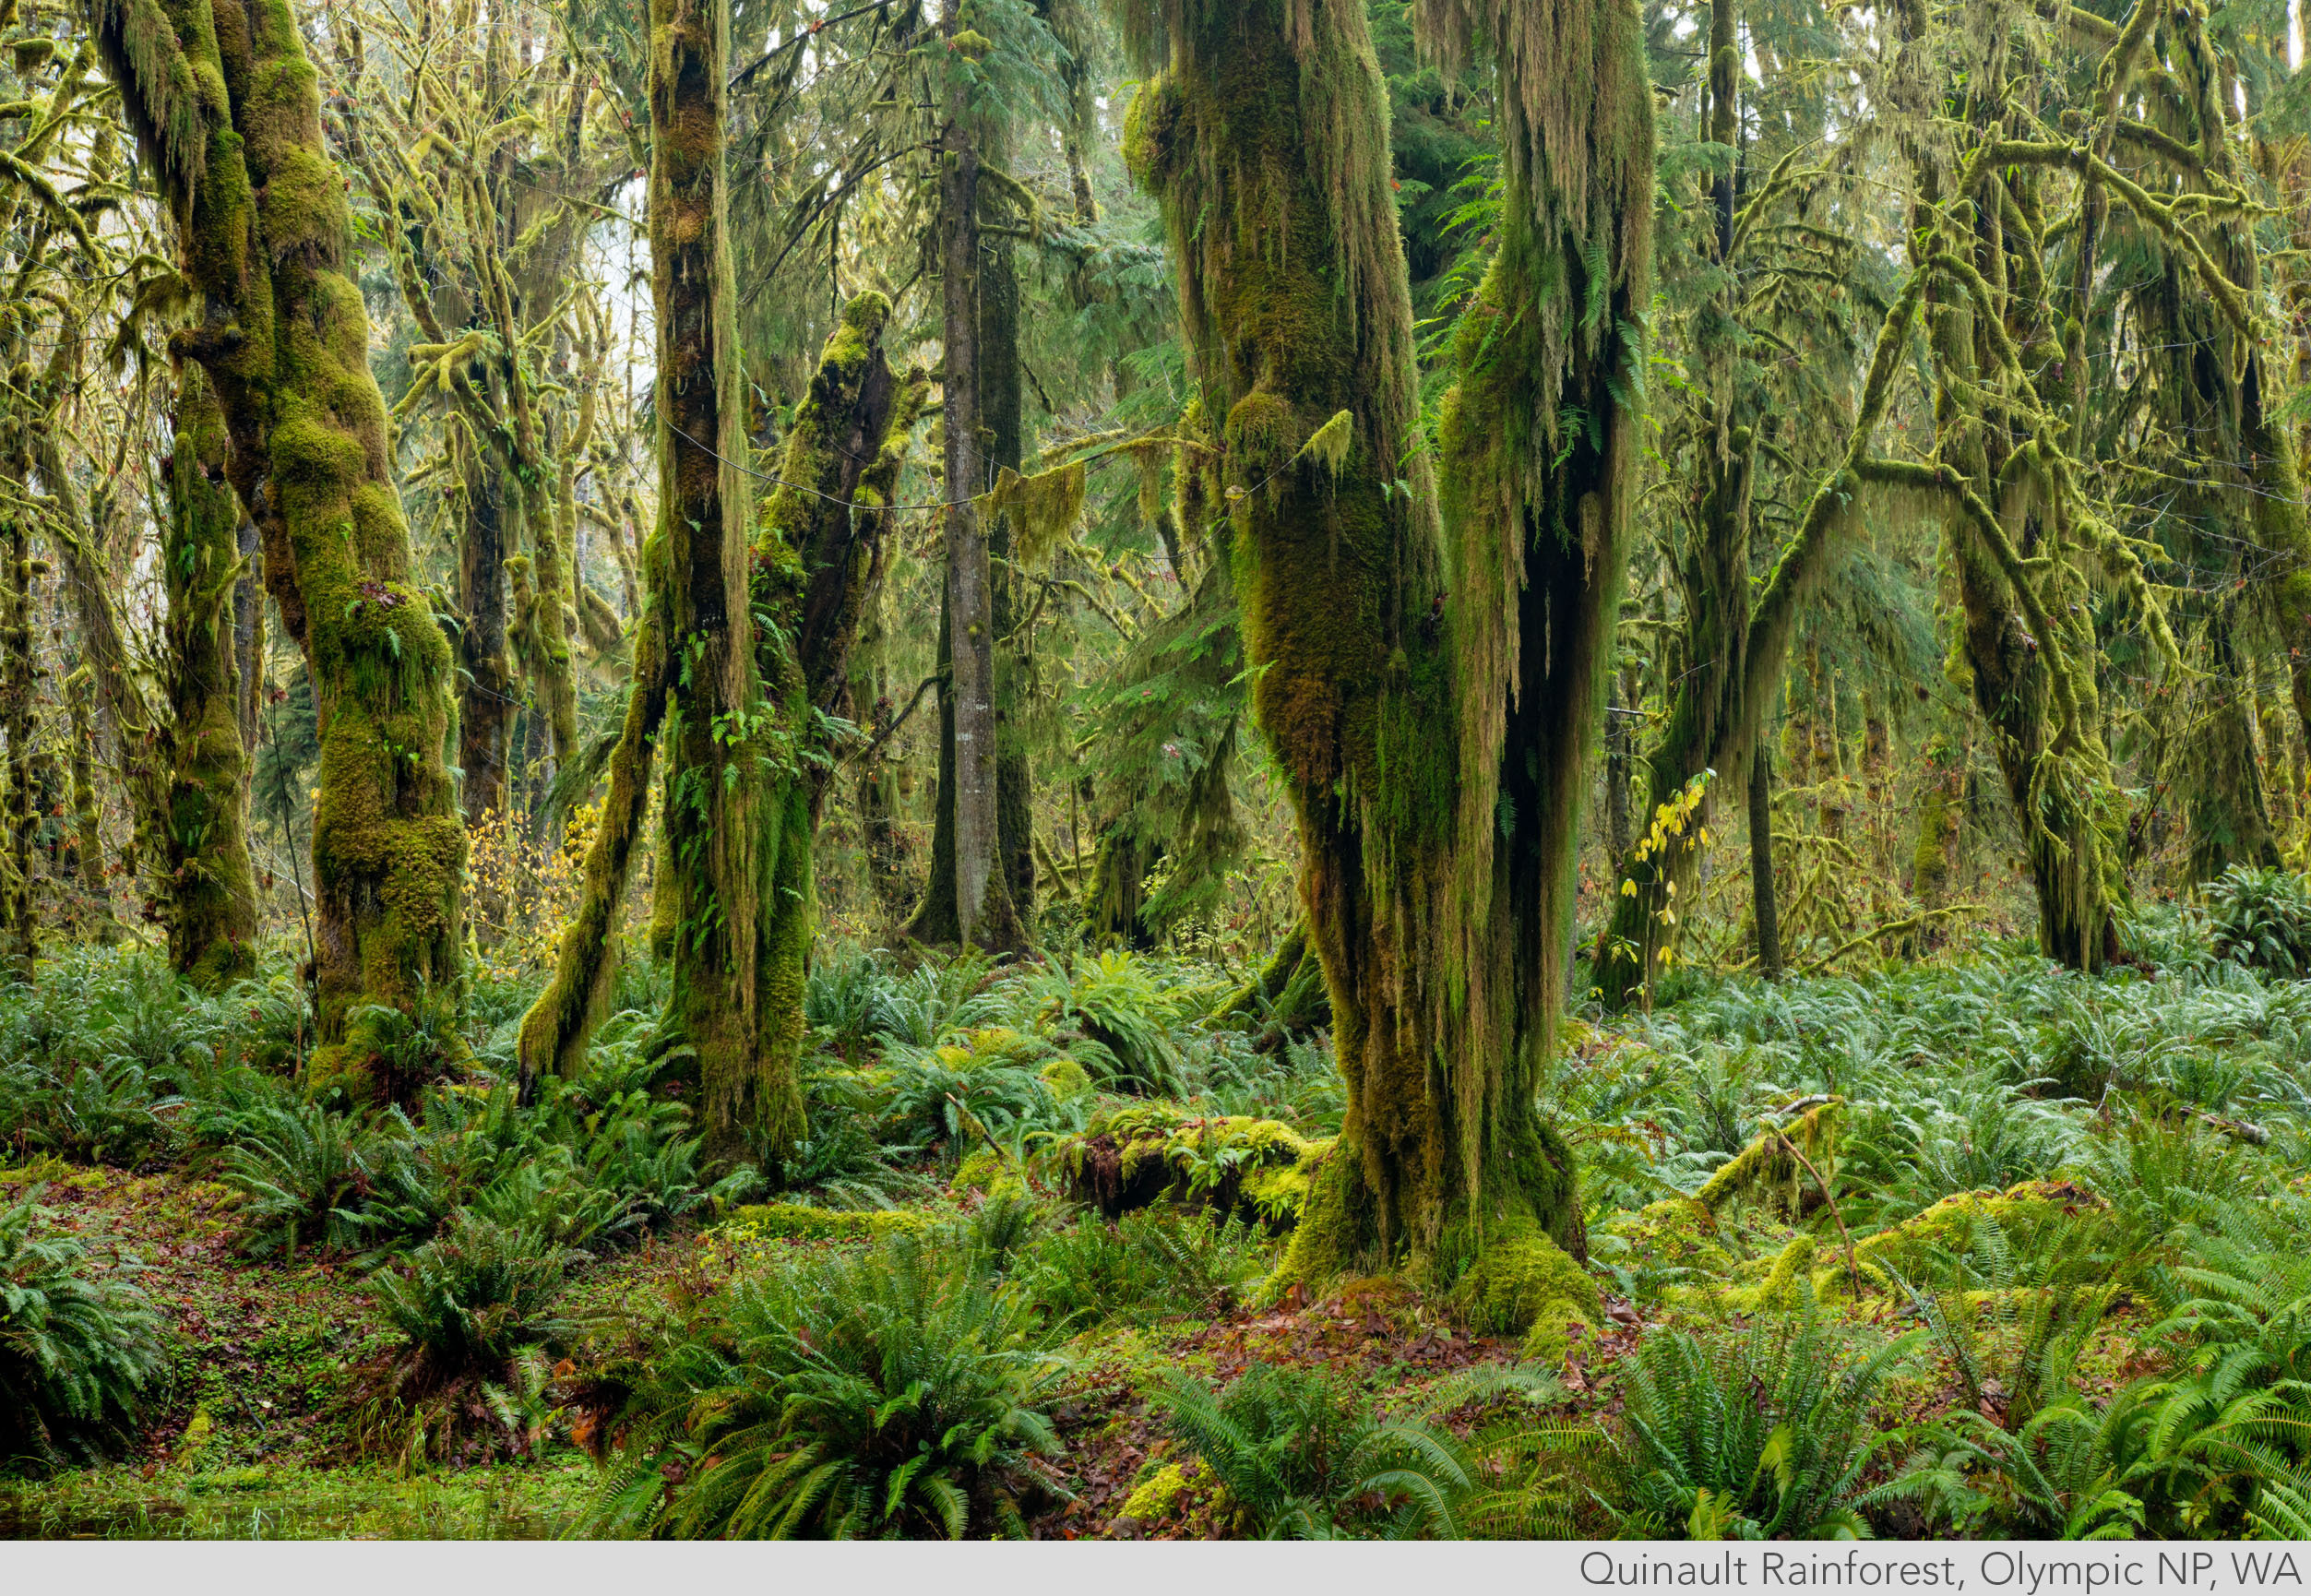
[2035,1206]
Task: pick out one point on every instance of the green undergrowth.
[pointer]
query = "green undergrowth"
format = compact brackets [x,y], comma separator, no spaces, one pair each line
[1977,1247]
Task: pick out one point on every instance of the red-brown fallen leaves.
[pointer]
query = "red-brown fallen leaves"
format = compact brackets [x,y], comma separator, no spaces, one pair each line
[1377,1332]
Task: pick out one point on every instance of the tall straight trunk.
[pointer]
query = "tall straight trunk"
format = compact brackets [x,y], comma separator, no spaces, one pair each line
[1001,407]
[485,678]
[984,913]
[936,920]
[713,788]
[85,849]
[211,905]
[1765,907]
[20,929]
[226,108]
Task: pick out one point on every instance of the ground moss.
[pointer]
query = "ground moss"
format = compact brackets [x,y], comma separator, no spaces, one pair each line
[758,1222]
[1155,1496]
[1521,1282]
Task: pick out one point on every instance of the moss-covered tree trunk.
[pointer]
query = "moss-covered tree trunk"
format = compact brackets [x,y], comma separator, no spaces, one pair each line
[212,903]
[1264,137]
[248,634]
[84,854]
[225,105]
[818,559]
[20,926]
[713,848]
[1765,910]
[816,564]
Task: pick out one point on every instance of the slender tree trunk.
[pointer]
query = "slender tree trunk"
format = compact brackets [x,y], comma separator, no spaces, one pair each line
[984,913]
[85,851]
[19,930]
[1001,403]
[486,680]
[936,920]
[1765,908]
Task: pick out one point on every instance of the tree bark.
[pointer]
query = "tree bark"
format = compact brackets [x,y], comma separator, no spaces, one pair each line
[1765,907]
[211,904]
[985,913]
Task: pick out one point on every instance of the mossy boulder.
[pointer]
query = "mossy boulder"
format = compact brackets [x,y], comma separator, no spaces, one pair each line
[1151,1152]
[1520,1282]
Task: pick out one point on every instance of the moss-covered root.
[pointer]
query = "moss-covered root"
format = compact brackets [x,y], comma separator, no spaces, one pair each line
[210,904]
[1522,1283]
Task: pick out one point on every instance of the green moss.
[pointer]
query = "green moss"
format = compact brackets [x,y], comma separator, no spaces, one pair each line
[1153,1151]
[1520,1282]
[990,1174]
[794,1223]
[1157,1491]
[1068,1080]
[1765,1168]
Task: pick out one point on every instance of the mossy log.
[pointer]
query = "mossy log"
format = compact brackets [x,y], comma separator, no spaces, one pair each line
[1259,1169]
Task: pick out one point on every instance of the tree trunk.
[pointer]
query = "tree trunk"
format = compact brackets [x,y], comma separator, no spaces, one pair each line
[1765,907]
[283,336]
[486,680]
[19,928]
[85,850]
[211,905]
[1001,403]
[985,913]
[1265,139]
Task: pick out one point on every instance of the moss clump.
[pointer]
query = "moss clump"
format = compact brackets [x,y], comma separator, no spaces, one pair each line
[1764,1167]
[1067,1078]
[988,1173]
[793,1222]
[1522,1282]
[1155,1496]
